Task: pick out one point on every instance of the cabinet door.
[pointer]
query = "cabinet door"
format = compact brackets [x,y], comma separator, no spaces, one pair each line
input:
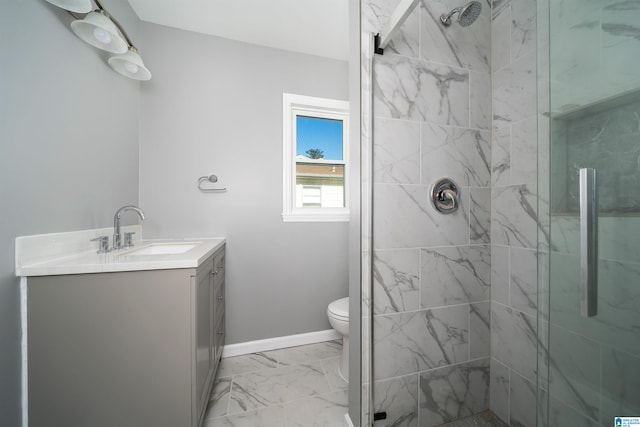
[111,349]
[219,296]
[203,303]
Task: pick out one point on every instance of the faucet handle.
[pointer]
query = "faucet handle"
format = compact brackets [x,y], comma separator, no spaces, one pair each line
[128,239]
[103,244]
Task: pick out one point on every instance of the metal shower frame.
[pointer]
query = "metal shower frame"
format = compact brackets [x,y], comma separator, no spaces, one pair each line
[399,15]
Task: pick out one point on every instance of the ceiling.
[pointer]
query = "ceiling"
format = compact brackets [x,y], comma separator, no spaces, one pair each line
[316,27]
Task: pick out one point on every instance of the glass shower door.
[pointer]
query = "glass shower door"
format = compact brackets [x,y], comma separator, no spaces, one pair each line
[590,277]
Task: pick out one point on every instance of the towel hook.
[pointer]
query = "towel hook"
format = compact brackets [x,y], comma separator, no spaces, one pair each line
[210,178]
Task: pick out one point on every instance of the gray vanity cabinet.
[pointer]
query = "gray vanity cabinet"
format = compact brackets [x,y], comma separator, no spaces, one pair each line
[136,348]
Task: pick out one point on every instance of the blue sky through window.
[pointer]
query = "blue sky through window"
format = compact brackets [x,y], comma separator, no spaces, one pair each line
[324,134]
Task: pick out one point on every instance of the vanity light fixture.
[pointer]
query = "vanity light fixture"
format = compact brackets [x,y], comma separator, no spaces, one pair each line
[77,6]
[130,64]
[101,30]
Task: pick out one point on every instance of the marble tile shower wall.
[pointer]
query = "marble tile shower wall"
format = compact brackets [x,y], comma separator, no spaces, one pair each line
[432,272]
[609,66]
[514,213]
[593,362]
[594,372]
[606,140]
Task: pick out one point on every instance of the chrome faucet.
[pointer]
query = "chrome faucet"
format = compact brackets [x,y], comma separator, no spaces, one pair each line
[117,236]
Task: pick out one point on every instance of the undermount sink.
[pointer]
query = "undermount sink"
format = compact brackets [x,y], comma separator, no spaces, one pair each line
[162,249]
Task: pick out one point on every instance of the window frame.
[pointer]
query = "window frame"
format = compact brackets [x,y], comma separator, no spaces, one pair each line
[294,105]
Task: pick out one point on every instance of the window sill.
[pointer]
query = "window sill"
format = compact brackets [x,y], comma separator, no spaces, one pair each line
[342,216]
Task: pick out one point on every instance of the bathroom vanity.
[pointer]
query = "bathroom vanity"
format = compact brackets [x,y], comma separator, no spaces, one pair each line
[124,339]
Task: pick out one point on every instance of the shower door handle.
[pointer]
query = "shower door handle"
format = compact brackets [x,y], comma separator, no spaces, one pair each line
[588,243]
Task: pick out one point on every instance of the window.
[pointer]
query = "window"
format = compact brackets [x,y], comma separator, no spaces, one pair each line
[315,152]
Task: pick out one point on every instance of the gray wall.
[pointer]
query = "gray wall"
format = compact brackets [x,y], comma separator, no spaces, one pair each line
[68,148]
[214,106]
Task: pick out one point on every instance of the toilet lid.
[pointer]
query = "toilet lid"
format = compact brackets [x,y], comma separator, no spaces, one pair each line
[340,308]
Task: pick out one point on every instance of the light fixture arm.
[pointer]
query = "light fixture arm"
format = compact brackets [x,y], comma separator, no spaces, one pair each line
[115,21]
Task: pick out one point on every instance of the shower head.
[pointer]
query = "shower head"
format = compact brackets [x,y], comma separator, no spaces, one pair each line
[467,14]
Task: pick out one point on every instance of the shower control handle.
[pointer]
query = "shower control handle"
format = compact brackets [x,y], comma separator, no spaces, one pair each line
[445,196]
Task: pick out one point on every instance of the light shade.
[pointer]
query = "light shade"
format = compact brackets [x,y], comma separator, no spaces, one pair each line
[130,65]
[100,31]
[78,6]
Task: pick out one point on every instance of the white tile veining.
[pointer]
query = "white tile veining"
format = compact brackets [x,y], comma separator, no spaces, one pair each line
[468,48]
[296,386]
[404,87]
[432,272]
[396,280]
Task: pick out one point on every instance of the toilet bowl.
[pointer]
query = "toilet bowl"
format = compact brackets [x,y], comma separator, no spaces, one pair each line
[338,313]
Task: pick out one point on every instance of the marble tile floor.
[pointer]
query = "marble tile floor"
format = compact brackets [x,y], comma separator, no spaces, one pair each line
[290,387]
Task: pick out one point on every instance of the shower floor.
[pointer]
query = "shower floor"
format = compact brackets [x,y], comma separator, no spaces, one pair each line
[484,419]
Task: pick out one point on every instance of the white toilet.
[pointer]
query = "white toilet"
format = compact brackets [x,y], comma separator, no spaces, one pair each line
[338,313]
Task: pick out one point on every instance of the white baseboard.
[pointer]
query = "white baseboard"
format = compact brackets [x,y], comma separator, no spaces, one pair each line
[348,421]
[279,342]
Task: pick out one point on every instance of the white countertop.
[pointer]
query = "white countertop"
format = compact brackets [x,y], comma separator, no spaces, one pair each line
[67,253]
